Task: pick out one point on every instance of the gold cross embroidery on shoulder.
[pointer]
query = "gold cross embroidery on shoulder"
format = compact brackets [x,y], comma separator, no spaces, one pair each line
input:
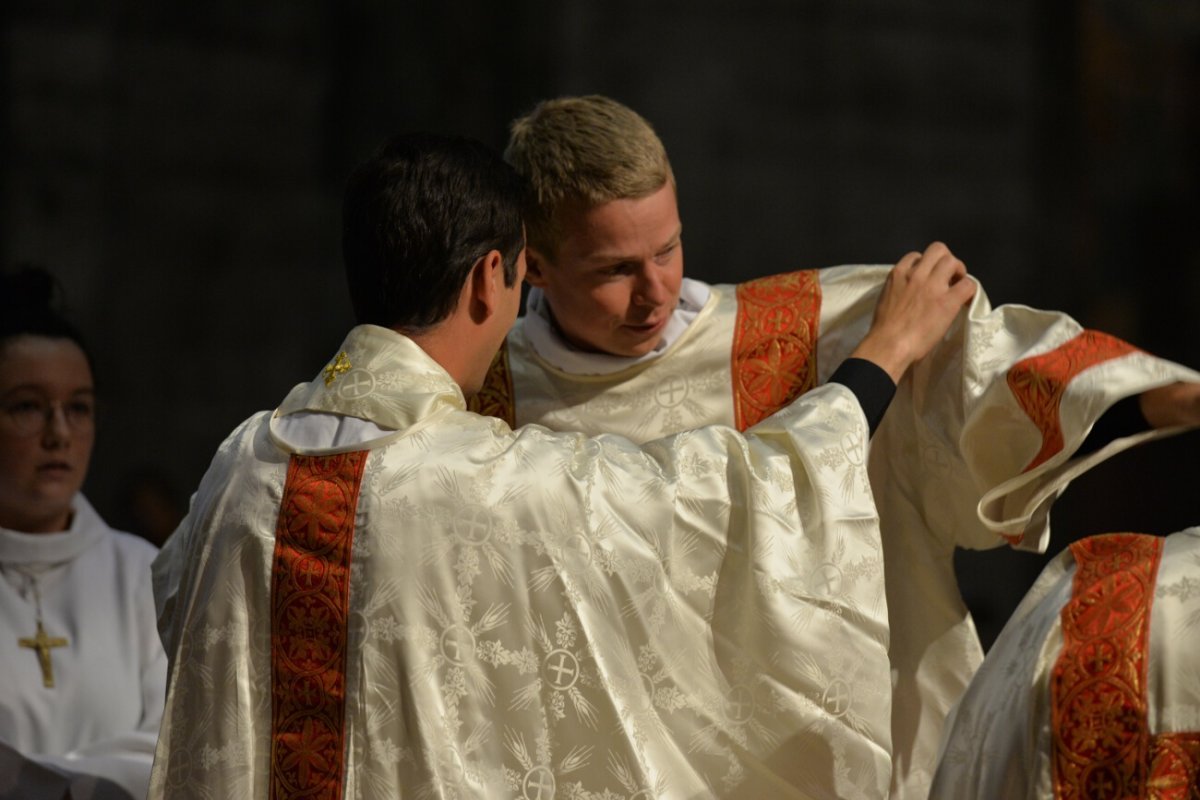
[340,365]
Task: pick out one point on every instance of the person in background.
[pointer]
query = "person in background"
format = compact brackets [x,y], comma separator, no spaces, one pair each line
[82,671]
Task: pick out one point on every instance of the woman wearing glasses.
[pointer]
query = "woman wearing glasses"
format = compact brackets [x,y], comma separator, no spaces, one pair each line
[83,672]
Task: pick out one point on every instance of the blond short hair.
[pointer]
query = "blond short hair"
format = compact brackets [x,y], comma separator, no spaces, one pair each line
[586,150]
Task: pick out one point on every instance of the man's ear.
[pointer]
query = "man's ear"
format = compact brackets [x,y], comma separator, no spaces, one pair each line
[486,285]
[535,268]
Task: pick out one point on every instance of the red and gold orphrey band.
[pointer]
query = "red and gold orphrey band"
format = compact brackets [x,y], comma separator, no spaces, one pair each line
[1098,686]
[1102,743]
[1038,383]
[1174,767]
[310,593]
[774,344]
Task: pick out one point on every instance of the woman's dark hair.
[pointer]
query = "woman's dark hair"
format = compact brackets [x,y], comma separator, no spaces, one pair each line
[30,298]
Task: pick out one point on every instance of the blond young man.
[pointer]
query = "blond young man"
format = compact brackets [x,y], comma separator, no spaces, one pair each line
[981,438]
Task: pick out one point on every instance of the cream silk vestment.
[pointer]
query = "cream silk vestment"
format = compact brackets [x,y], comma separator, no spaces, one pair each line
[1092,691]
[101,716]
[973,450]
[457,610]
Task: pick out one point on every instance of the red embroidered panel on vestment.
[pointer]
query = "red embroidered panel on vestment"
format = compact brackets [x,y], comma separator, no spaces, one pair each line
[495,399]
[310,594]
[774,343]
[1098,687]
[1174,767]
[1038,383]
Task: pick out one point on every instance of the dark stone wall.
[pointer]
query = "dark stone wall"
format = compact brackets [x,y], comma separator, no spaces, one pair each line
[180,169]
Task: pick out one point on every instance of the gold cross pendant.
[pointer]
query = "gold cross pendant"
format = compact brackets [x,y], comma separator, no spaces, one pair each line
[42,643]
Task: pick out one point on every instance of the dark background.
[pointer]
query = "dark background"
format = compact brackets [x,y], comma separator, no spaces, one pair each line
[180,169]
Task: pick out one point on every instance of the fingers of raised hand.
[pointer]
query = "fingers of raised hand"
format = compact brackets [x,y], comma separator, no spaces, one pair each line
[903,269]
[948,268]
[936,251]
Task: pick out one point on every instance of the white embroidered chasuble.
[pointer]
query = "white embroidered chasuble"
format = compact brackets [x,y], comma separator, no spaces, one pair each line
[101,716]
[1092,690]
[524,614]
[975,446]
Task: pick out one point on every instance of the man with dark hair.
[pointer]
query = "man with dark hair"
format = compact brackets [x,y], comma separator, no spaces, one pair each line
[980,439]
[377,593]
[465,203]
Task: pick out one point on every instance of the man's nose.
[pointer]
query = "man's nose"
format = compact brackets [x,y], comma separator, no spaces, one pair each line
[651,288]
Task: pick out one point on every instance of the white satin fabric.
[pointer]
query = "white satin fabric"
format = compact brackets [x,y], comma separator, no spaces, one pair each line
[998,738]
[946,465]
[538,615]
[101,716]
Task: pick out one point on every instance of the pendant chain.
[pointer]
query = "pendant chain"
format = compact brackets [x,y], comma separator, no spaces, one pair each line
[31,585]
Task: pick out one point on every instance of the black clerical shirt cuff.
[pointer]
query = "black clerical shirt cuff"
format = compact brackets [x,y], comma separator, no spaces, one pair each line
[871,385]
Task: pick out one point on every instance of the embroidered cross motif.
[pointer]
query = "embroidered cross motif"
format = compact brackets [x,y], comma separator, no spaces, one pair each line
[42,644]
[1038,383]
[539,781]
[567,665]
[340,365]
[774,358]
[310,620]
[837,697]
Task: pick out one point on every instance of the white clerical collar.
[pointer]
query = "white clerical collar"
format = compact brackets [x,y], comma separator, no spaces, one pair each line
[18,547]
[548,343]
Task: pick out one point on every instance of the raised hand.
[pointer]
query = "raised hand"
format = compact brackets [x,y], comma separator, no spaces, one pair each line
[923,294]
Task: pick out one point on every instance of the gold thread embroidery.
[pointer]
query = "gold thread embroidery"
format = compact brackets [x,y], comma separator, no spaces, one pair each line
[1174,767]
[495,398]
[774,357]
[310,597]
[340,366]
[1098,686]
[1038,383]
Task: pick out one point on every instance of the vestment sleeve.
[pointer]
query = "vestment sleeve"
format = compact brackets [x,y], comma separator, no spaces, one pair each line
[1034,386]
[186,550]
[983,434]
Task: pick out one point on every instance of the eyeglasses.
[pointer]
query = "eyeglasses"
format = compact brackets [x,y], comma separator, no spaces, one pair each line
[28,416]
